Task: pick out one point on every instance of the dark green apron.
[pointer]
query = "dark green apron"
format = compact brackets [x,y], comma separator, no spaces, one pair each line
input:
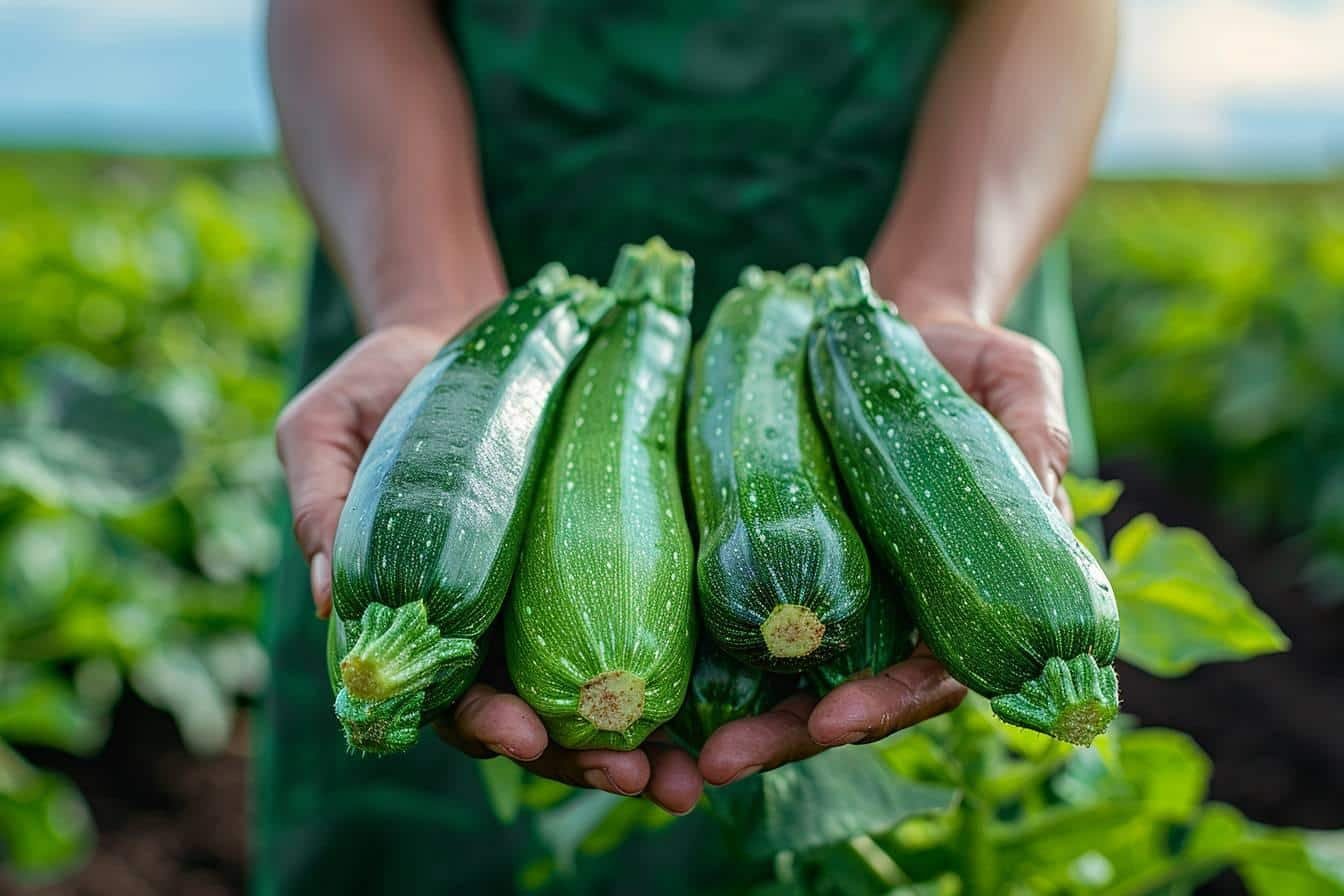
[747,132]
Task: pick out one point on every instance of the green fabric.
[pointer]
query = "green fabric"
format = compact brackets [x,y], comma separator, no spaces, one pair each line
[744,132]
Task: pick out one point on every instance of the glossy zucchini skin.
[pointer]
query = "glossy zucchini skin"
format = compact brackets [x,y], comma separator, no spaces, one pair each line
[600,629]
[722,690]
[782,574]
[1001,590]
[429,534]
[886,636]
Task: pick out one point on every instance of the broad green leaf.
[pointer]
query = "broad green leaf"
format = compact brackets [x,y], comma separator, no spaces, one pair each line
[827,799]
[563,828]
[45,826]
[1169,772]
[503,780]
[41,708]
[86,440]
[1180,603]
[1303,863]
[1091,497]
[177,679]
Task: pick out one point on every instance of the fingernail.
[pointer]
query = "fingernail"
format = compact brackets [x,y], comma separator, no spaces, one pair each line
[502,750]
[849,737]
[319,579]
[602,780]
[745,773]
[668,810]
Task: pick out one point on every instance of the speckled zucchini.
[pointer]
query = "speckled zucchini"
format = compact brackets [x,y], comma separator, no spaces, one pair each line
[886,636]
[429,534]
[1001,590]
[723,690]
[600,626]
[782,574]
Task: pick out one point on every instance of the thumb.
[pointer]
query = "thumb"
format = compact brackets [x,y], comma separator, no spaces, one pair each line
[319,446]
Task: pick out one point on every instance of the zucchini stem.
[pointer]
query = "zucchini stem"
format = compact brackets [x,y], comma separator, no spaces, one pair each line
[1070,700]
[612,701]
[397,656]
[792,631]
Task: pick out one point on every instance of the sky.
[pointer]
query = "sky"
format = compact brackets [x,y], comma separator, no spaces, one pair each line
[1212,87]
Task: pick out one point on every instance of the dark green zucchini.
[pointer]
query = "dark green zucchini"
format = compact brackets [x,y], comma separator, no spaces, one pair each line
[429,534]
[1001,590]
[723,690]
[781,571]
[600,629]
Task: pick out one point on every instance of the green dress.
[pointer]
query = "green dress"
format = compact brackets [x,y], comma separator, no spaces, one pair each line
[765,132]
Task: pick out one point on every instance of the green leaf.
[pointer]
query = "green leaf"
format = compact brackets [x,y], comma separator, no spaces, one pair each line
[45,826]
[827,799]
[1169,772]
[563,828]
[86,440]
[1091,497]
[1303,863]
[40,708]
[1180,603]
[503,780]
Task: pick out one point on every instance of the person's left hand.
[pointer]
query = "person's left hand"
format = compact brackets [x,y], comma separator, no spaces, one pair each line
[1017,380]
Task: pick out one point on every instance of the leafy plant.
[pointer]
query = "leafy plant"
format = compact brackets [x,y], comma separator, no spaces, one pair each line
[1211,325]
[140,374]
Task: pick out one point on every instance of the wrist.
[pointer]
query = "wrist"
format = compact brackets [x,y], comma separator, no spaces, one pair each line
[429,312]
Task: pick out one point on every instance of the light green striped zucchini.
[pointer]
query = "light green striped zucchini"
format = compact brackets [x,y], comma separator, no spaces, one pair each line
[600,627]
[1001,590]
[429,534]
[782,574]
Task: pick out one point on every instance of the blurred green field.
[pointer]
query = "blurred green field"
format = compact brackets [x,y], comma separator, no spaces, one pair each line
[149,305]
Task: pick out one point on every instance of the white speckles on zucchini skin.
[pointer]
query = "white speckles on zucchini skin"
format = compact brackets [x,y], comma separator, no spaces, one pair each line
[439,499]
[603,583]
[994,577]
[773,532]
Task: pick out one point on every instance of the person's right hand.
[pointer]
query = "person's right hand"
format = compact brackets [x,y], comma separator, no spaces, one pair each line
[321,437]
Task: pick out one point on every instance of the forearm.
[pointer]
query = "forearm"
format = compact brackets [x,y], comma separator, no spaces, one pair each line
[1001,151]
[377,126]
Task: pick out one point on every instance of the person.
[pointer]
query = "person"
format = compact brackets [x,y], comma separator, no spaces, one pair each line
[447,151]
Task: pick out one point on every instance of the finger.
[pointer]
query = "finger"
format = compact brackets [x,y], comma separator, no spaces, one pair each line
[1063,504]
[319,452]
[903,695]
[1026,393]
[486,723]
[621,773]
[760,743]
[675,783]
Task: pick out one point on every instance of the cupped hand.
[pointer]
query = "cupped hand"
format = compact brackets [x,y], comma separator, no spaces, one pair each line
[1020,382]
[858,711]
[321,437]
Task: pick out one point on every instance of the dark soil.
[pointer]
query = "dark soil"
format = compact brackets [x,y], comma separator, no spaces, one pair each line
[1272,725]
[172,824]
[168,823]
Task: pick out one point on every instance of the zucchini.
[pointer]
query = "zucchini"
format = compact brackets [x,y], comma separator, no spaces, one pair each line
[428,537]
[887,636]
[723,690]
[782,574]
[600,629]
[1001,590]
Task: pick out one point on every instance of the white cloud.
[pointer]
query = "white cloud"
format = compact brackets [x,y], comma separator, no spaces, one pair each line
[1204,81]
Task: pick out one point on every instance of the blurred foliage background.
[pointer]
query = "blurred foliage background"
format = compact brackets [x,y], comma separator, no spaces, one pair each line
[148,308]
[1212,319]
